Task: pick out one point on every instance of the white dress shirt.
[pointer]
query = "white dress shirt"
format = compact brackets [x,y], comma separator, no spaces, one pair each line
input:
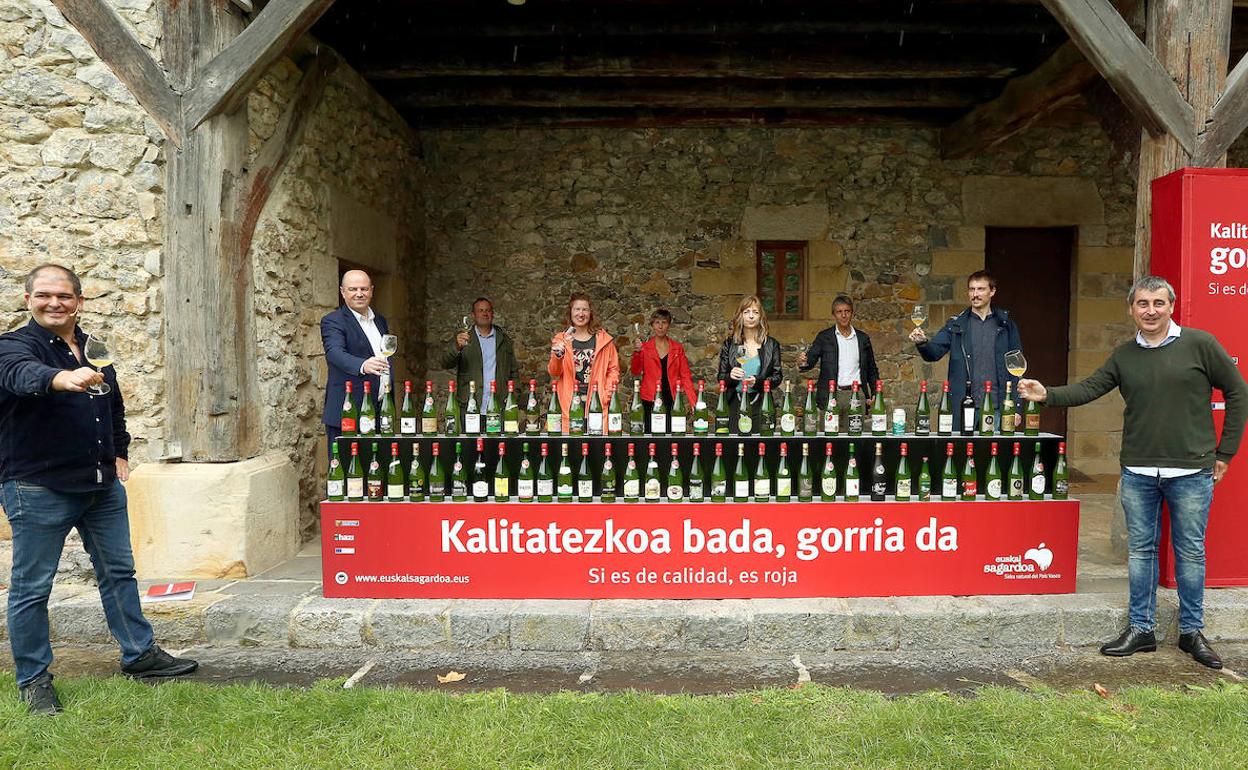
[847,363]
[369,326]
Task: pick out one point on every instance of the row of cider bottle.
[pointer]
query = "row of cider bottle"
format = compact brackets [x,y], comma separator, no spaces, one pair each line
[567,480]
[596,416]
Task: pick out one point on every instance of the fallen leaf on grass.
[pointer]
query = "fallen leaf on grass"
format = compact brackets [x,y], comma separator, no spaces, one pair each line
[451,676]
[1100,690]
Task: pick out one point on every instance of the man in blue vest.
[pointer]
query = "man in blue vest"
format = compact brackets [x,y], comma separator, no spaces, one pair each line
[352,338]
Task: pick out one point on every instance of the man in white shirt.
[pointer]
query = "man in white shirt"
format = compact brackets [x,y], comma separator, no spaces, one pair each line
[352,338]
[843,354]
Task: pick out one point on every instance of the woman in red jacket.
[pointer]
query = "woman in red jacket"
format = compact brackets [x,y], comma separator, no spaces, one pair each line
[662,364]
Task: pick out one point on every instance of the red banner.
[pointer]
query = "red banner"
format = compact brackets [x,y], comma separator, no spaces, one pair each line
[706,551]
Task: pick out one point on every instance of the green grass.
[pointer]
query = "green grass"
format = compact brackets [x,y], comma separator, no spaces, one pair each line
[115,723]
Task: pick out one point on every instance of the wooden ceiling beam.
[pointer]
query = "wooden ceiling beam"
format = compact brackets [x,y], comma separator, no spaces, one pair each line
[628,118]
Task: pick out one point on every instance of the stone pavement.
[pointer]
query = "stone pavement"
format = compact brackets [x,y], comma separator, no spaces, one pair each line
[284,608]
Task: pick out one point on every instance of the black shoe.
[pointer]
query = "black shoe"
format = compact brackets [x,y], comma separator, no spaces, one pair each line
[1130,642]
[158,663]
[1195,644]
[40,698]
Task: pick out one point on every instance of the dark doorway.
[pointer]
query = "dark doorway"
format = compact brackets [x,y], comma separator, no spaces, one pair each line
[1032,267]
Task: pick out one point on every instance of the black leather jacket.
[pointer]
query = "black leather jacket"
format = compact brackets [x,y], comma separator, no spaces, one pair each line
[769,368]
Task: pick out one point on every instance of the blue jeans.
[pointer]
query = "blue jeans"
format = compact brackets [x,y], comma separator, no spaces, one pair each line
[41,519]
[1187,498]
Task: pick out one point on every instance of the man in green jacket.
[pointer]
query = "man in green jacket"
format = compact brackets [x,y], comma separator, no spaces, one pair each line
[482,354]
[1170,452]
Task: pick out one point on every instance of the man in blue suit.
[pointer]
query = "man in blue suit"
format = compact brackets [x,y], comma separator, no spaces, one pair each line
[352,338]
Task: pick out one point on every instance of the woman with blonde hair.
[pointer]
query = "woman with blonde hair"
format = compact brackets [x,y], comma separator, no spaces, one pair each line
[749,357]
[582,356]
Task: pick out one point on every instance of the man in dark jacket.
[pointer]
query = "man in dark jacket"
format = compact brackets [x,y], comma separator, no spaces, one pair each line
[483,354]
[843,354]
[352,338]
[976,340]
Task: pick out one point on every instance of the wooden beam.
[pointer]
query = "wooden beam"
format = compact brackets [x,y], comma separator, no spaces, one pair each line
[111,39]
[224,82]
[1025,100]
[1229,118]
[1126,63]
[494,117]
[273,156]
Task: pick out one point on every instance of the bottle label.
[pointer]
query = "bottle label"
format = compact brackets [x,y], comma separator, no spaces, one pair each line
[948,488]
[879,423]
[968,418]
[493,423]
[632,487]
[576,426]
[855,423]
[545,487]
[374,488]
[784,487]
[989,423]
[831,421]
[903,488]
[1007,420]
[1033,421]
[480,488]
[970,488]
[701,426]
[1060,488]
[595,423]
[355,487]
[407,425]
[944,423]
[653,489]
[923,424]
[564,490]
[615,422]
[721,425]
[658,422]
[584,488]
[336,488]
[762,487]
[828,486]
[502,486]
[1016,487]
[386,426]
[429,425]
[674,492]
[788,423]
[459,488]
[851,487]
[524,489]
[680,423]
[428,404]
[636,427]
[741,488]
[696,492]
[1037,484]
[348,425]
[994,489]
[554,422]
[511,426]
[531,424]
[719,489]
[810,422]
[879,488]
[451,425]
[394,491]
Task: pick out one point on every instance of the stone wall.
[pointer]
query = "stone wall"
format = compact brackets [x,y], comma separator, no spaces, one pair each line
[643,218]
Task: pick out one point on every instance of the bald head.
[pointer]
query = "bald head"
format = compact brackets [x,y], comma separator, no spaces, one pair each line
[357,290]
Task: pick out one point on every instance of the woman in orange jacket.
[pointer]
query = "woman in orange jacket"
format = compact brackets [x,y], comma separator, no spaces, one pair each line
[582,357]
[662,364]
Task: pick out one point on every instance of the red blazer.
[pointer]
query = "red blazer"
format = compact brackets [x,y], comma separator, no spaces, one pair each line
[645,362]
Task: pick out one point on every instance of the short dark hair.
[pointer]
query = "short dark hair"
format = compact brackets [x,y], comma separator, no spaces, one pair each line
[74,280]
[1150,283]
[982,275]
[842,299]
[661,313]
[482,299]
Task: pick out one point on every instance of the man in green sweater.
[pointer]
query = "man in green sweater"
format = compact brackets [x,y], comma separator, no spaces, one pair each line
[1170,452]
[482,354]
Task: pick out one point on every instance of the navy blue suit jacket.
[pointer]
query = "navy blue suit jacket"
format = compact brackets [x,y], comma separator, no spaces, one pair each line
[346,350]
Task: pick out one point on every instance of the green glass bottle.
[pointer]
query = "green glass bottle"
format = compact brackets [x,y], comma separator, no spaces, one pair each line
[1037,484]
[678,420]
[1009,411]
[451,416]
[336,483]
[879,412]
[511,411]
[396,484]
[697,478]
[350,422]
[805,477]
[762,476]
[658,414]
[576,414]
[652,487]
[949,476]
[832,412]
[459,475]
[1031,418]
[1015,482]
[355,475]
[924,490]
[675,477]
[988,412]
[606,483]
[526,477]
[827,479]
[636,414]
[374,477]
[564,486]
[784,476]
[719,476]
[632,478]
[428,412]
[970,474]
[532,417]
[810,411]
[368,412]
[1061,476]
[554,415]
[593,417]
[767,412]
[923,413]
[545,479]
[408,419]
[993,486]
[745,422]
[852,477]
[855,417]
[480,482]
[904,480]
[437,476]
[416,477]
[387,417]
[788,416]
[723,414]
[584,478]
[701,415]
[493,413]
[944,415]
[741,477]
[502,476]
[879,474]
[615,417]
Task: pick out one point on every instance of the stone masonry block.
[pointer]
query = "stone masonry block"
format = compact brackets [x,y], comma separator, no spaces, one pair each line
[799,625]
[550,624]
[324,622]
[807,222]
[830,280]
[722,280]
[415,624]
[1226,614]
[968,238]
[1107,310]
[1093,235]
[823,254]
[481,624]
[633,624]
[716,625]
[956,262]
[250,620]
[1032,201]
[1105,259]
[874,624]
[1090,619]
[1023,621]
[942,622]
[181,623]
[737,254]
[1167,615]
[79,619]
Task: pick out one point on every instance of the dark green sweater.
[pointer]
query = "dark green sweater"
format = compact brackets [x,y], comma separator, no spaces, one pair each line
[1167,422]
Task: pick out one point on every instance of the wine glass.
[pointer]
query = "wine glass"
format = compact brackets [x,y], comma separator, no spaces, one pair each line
[389,345]
[98,355]
[466,323]
[918,316]
[1015,364]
